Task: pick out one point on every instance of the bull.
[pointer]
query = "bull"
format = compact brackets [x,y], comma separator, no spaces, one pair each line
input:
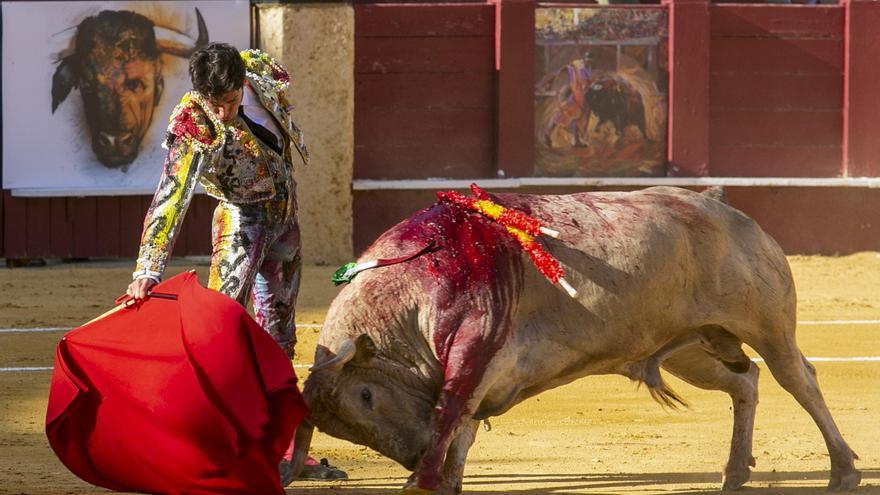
[614,100]
[413,355]
[116,63]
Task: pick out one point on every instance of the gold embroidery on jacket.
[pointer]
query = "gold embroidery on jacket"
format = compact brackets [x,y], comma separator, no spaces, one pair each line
[228,160]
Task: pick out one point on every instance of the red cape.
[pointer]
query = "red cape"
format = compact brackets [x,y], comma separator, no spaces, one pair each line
[184,396]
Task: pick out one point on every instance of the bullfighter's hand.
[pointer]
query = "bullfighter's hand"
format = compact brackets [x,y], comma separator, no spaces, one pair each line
[139,288]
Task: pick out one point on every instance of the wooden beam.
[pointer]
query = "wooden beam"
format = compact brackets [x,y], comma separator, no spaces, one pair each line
[688,130]
[515,97]
[861,147]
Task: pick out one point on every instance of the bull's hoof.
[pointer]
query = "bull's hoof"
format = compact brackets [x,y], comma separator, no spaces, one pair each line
[844,480]
[446,489]
[734,480]
[737,473]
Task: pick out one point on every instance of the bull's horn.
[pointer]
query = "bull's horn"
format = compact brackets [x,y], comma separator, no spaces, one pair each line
[302,440]
[343,355]
[180,44]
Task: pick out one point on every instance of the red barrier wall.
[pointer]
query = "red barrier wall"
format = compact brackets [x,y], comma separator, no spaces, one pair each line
[861,148]
[776,91]
[424,91]
[93,226]
[687,152]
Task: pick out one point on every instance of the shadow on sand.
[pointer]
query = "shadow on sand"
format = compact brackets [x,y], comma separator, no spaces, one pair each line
[762,483]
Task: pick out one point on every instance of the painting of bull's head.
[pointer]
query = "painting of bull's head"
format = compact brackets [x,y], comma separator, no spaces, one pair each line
[116,63]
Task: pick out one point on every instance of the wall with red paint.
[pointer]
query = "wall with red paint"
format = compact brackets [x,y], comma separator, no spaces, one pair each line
[93,226]
[424,91]
[776,91]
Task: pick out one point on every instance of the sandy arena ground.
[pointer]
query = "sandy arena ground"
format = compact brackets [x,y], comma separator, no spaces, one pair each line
[600,435]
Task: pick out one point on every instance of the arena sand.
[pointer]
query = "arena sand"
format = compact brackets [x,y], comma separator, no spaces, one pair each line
[600,435]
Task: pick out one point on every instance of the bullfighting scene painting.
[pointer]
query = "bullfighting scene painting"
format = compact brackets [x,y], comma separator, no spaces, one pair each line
[600,92]
[96,84]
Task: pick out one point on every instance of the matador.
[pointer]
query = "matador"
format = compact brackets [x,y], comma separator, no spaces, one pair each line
[234,135]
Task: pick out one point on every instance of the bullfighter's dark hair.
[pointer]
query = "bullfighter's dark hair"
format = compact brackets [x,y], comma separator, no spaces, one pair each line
[216,70]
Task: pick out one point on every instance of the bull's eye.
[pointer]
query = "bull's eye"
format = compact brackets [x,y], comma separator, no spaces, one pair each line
[367,397]
[135,84]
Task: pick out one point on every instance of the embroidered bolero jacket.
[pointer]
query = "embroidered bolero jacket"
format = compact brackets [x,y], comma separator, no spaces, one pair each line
[228,160]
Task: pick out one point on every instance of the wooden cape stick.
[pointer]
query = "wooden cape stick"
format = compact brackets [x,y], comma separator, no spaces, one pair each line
[126,302]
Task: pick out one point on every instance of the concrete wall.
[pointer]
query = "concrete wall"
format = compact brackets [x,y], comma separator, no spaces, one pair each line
[315,43]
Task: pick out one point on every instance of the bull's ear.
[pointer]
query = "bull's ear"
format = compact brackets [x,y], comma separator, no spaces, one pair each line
[63,81]
[366,349]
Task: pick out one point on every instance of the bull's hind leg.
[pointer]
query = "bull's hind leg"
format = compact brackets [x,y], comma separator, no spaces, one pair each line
[695,366]
[798,377]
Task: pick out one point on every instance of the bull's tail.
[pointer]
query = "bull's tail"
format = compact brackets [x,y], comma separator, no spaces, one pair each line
[716,192]
[648,372]
[665,396]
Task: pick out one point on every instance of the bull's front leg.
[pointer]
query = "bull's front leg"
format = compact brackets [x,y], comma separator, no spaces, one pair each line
[453,468]
[451,416]
[470,353]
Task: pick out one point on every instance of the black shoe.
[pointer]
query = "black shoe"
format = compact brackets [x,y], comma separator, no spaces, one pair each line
[322,471]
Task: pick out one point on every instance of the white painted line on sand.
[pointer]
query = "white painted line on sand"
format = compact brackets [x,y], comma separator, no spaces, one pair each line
[858,359]
[67,329]
[50,368]
[855,359]
[33,330]
[318,325]
[839,322]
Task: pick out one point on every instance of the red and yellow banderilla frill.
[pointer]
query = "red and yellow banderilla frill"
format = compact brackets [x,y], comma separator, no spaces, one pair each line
[520,226]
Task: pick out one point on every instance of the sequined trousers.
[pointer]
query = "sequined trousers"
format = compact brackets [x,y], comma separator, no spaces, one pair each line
[256,253]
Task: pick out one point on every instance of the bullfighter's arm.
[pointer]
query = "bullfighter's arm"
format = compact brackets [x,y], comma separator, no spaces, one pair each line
[165,216]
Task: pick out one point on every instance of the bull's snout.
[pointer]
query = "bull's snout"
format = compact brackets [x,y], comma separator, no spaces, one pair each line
[113,141]
[115,149]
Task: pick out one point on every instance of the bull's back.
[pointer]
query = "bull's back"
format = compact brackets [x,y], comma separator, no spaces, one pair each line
[644,237]
[648,266]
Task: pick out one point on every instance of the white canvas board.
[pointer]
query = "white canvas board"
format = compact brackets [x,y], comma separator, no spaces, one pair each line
[50,151]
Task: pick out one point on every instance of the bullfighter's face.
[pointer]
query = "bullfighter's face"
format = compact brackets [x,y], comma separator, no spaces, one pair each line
[226,106]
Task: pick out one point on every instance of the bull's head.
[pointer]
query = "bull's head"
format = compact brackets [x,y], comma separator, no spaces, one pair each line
[602,86]
[116,64]
[359,396]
